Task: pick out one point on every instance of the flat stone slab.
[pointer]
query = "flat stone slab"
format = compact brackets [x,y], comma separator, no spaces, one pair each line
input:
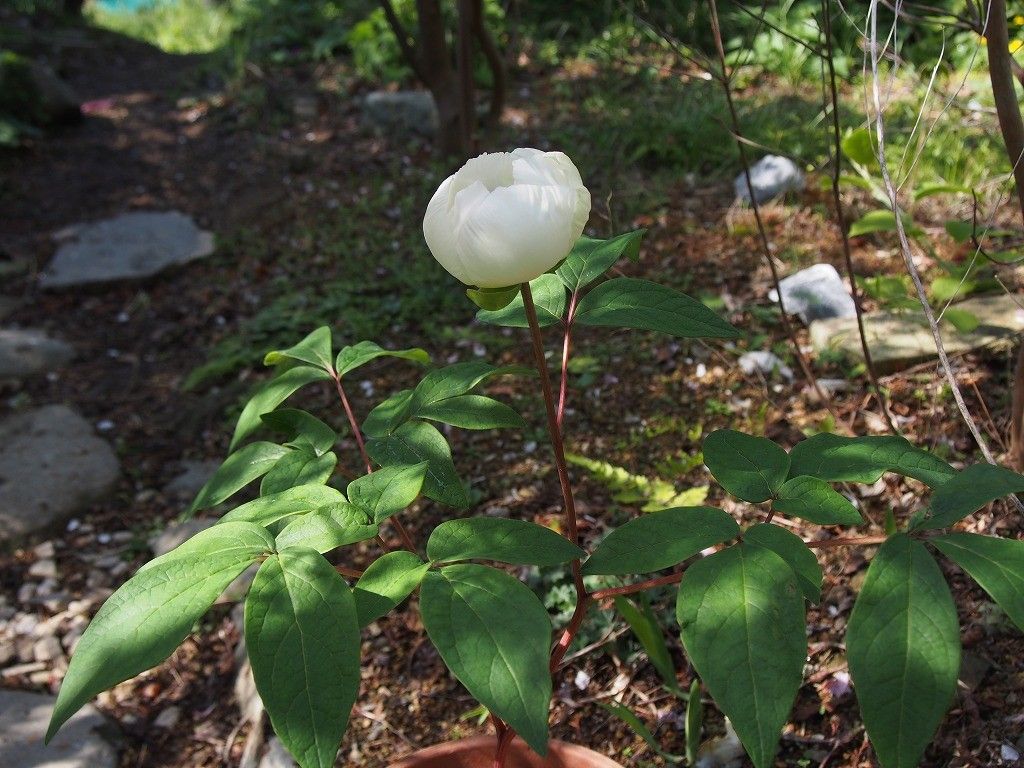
[128,247]
[51,466]
[898,340]
[401,112]
[79,744]
[26,352]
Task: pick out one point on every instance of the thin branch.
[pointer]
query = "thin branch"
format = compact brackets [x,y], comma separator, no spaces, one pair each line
[766,246]
[840,216]
[408,52]
[494,62]
[908,258]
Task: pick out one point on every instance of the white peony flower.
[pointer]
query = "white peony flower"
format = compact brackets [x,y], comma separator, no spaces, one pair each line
[505,218]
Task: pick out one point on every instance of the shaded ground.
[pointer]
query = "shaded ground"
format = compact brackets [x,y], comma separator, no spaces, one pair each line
[307,196]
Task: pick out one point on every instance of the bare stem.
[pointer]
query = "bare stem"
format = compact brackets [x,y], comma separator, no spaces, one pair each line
[640,586]
[570,631]
[555,432]
[563,384]
[856,541]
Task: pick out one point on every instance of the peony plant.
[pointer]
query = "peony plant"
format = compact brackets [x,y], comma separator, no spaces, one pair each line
[509,226]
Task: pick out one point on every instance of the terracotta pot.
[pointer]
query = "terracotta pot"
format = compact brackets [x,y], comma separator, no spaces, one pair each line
[478,752]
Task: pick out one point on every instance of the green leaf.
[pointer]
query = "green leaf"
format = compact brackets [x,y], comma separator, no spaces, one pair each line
[548,298]
[237,471]
[455,380]
[627,716]
[812,499]
[388,415]
[590,258]
[495,636]
[792,549]
[472,412]
[930,190]
[882,220]
[645,626]
[836,459]
[903,649]
[315,350]
[299,467]
[960,231]
[750,468]
[350,358]
[271,395]
[492,299]
[694,722]
[416,442]
[626,302]
[660,540]
[741,613]
[387,491]
[302,429]
[327,527]
[387,582]
[947,287]
[961,319]
[968,491]
[267,510]
[151,613]
[302,635]
[495,538]
[996,564]
[857,146]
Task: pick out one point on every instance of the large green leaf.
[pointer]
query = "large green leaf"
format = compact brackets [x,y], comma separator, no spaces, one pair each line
[857,146]
[267,510]
[864,459]
[388,415]
[495,538]
[996,564]
[792,549]
[590,258]
[303,430]
[302,635]
[387,582]
[626,302]
[387,491]
[495,636]
[455,380]
[416,442]
[271,395]
[472,412]
[151,613]
[660,540]
[750,468]
[883,220]
[903,649]
[327,528]
[299,467]
[968,491]
[350,358]
[741,613]
[811,498]
[548,298]
[314,350]
[237,471]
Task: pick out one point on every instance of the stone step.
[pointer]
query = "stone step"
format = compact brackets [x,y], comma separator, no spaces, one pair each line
[80,743]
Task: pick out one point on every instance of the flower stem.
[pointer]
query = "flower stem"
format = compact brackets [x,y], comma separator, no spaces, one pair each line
[403,534]
[555,432]
[563,384]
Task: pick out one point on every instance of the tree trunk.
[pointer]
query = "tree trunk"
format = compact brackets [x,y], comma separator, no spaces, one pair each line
[439,77]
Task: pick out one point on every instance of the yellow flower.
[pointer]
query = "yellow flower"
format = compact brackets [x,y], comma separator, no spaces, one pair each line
[1019,21]
[984,40]
[1016,45]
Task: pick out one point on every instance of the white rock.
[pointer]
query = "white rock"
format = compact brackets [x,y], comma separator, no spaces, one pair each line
[43,569]
[47,649]
[767,363]
[27,352]
[23,721]
[770,177]
[816,293]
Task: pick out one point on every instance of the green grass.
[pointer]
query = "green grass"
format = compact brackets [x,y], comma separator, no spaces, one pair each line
[175,26]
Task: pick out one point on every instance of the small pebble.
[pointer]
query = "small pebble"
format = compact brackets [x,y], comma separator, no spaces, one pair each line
[43,569]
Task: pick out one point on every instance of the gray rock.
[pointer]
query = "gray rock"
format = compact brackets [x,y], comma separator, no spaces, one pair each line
[816,293]
[770,177]
[177,534]
[277,756]
[898,340]
[26,352]
[130,246]
[765,362]
[51,466]
[79,744]
[194,475]
[401,112]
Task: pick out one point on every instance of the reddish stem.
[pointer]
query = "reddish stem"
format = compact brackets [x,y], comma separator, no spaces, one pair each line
[569,633]
[847,542]
[344,570]
[403,534]
[504,742]
[640,586]
[554,430]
